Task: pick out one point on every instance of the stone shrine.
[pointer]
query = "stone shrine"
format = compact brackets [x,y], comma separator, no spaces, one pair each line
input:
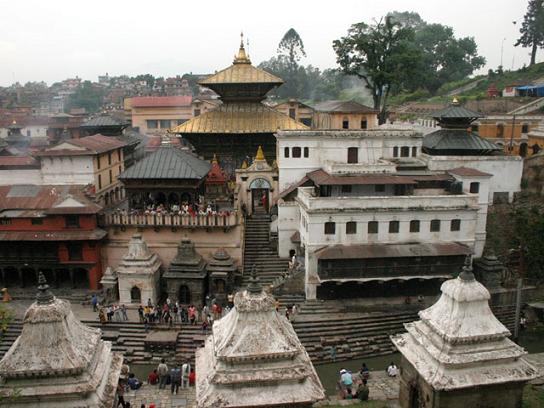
[58,362]
[459,354]
[109,285]
[489,271]
[253,358]
[186,278]
[138,273]
[222,271]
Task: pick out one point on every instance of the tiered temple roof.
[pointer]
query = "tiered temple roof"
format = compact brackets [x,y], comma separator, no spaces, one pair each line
[459,343]
[254,358]
[188,263]
[57,360]
[221,264]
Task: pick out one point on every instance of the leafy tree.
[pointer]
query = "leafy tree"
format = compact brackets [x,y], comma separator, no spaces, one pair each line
[291,51]
[407,18]
[86,96]
[532,28]
[383,55]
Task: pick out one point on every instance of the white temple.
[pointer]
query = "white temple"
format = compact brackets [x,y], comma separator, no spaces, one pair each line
[58,362]
[253,358]
[138,273]
[459,347]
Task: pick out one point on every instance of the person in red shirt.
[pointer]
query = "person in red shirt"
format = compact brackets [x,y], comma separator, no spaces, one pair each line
[153,377]
[192,377]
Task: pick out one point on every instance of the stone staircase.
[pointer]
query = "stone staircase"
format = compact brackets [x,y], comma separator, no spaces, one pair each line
[528,108]
[259,251]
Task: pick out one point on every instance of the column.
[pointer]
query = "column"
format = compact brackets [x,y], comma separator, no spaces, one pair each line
[72,282]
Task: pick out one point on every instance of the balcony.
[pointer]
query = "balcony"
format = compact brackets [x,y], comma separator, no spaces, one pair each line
[403,203]
[143,220]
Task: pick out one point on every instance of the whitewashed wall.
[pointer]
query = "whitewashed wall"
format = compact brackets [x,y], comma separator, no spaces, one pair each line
[68,170]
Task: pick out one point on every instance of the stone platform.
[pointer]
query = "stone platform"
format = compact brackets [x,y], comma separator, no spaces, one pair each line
[161,398]
[159,340]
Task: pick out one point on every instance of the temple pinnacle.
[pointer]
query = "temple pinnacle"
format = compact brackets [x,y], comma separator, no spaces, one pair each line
[254,286]
[466,274]
[44,295]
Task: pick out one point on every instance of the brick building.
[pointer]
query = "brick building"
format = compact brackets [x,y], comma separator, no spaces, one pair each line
[49,228]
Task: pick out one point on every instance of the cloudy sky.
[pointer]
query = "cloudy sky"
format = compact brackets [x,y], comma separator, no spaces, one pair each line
[55,39]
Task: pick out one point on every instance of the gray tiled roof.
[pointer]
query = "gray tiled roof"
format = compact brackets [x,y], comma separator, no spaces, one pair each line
[103,121]
[455,111]
[342,107]
[168,163]
[457,139]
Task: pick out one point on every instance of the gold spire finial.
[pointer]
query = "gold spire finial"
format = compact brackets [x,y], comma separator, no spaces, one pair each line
[244,165]
[242,57]
[455,101]
[214,160]
[260,154]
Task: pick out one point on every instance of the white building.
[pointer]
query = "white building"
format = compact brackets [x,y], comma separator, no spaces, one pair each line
[361,208]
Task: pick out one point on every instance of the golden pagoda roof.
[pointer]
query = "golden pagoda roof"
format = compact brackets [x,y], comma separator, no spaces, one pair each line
[240,117]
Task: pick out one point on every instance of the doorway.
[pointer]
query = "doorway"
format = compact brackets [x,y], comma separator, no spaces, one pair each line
[135,295]
[184,295]
[260,195]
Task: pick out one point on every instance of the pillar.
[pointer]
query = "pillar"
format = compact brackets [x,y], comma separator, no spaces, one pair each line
[72,282]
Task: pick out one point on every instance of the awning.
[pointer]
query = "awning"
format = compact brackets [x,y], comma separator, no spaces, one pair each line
[93,235]
[392,250]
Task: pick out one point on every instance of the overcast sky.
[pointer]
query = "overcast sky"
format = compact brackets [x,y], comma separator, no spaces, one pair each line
[56,39]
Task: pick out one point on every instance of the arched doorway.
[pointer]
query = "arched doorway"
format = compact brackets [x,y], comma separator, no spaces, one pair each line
[173,199]
[523,149]
[184,295]
[260,195]
[135,295]
[186,198]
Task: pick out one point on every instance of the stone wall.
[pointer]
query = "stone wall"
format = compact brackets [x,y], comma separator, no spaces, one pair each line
[533,174]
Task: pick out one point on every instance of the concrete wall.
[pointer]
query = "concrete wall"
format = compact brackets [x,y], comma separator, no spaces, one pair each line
[164,242]
[68,170]
[506,170]
[288,224]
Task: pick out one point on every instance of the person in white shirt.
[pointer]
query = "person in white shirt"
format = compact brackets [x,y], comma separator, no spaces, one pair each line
[392,370]
[185,371]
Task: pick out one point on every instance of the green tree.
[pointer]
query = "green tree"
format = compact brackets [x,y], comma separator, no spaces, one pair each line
[291,51]
[532,28]
[86,96]
[382,55]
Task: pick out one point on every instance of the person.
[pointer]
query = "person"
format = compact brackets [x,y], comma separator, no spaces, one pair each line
[333,352]
[94,302]
[102,316]
[192,315]
[141,313]
[392,370]
[109,313]
[153,377]
[192,377]
[175,314]
[362,391]
[365,372]
[264,202]
[120,394]
[205,324]
[124,312]
[346,381]
[133,382]
[522,323]
[162,370]
[175,379]
[287,312]
[185,372]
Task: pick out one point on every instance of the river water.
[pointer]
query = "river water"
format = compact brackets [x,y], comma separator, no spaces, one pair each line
[532,340]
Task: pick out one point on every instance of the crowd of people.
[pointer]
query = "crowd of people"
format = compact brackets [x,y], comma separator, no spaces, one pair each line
[185,208]
[355,385]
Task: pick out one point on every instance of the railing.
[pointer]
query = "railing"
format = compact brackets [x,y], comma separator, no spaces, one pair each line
[171,220]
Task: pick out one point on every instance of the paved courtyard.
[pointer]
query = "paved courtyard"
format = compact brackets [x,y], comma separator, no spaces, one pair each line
[149,394]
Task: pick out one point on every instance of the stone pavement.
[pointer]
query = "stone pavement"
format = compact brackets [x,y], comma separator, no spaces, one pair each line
[161,398]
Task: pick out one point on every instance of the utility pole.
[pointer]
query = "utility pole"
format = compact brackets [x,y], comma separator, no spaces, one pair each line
[521,273]
[502,49]
[511,147]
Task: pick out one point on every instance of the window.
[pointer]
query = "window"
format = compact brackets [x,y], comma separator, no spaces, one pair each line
[197,112]
[373,227]
[364,124]
[351,227]
[474,128]
[500,130]
[525,128]
[120,171]
[435,225]
[286,152]
[152,124]
[5,221]
[306,121]
[353,154]
[99,181]
[379,188]
[345,124]
[109,158]
[119,154]
[455,225]
[165,124]
[72,221]
[111,177]
[396,151]
[404,151]
[330,228]
[75,251]
[475,187]
[306,152]
[292,113]
[414,151]
[36,221]
[346,188]
[414,226]
[97,162]
[394,227]
[297,152]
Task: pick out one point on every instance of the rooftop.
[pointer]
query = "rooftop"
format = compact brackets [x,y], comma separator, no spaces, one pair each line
[84,146]
[321,177]
[469,172]
[161,101]
[103,121]
[343,107]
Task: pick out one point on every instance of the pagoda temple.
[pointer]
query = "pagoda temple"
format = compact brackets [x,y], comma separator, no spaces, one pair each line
[242,122]
[459,354]
[454,137]
[58,362]
[254,358]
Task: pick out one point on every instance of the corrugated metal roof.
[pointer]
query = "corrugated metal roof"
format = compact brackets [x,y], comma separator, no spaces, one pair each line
[343,107]
[457,139]
[103,121]
[168,163]
[392,250]
[16,161]
[95,144]
[240,118]
[322,178]
[455,111]
[76,235]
